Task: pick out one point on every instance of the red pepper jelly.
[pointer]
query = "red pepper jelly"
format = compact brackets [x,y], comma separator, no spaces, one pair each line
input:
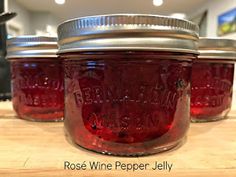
[127,82]
[212,80]
[37,78]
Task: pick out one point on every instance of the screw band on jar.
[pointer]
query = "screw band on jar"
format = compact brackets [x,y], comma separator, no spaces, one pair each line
[127,80]
[212,79]
[37,78]
[217,49]
[128,32]
[32,46]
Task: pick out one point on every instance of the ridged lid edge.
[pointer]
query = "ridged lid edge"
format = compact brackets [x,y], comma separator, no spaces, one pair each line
[32,47]
[125,19]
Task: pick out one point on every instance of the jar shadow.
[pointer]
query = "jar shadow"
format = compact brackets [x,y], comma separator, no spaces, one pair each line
[49,126]
[198,128]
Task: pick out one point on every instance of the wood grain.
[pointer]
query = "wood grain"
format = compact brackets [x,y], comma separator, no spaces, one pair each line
[40,149]
[6,110]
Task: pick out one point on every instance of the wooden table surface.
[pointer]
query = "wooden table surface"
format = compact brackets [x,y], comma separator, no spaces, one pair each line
[41,149]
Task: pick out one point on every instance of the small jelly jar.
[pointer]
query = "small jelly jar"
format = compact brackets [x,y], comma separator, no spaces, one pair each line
[212,80]
[37,78]
[127,82]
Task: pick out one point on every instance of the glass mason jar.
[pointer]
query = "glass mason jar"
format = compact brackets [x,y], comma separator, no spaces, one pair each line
[212,79]
[127,82]
[37,78]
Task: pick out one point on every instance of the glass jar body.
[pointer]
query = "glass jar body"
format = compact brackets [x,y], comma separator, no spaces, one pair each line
[211,94]
[38,89]
[127,103]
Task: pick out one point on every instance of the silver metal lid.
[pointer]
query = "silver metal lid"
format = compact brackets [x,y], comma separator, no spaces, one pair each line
[128,32]
[217,48]
[32,46]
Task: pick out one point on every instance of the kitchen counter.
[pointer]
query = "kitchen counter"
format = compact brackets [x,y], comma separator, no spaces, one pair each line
[42,149]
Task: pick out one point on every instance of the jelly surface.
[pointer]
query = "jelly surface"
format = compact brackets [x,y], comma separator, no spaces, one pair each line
[117,99]
[212,85]
[38,90]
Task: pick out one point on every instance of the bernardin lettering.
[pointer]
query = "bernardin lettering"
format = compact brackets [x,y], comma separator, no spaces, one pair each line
[96,95]
[37,83]
[209,100]
[38,100]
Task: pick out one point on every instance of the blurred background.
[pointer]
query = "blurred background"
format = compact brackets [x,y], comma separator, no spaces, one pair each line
[41,17]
